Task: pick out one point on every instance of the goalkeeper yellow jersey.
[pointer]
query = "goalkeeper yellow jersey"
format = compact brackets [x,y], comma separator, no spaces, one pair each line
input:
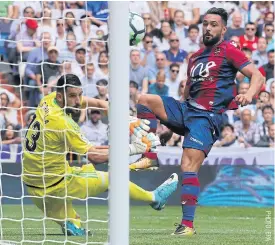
[50,136]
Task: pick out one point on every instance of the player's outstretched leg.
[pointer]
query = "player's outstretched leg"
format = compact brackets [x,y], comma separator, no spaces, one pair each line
[191,162]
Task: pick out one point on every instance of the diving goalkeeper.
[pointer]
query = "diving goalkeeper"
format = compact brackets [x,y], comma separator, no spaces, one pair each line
[51,182]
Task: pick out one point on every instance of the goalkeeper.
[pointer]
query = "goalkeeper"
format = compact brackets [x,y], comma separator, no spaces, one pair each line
[51,182]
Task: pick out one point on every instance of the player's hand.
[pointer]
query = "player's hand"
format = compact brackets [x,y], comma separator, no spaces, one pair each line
[138,128]
[145,144]
[243,99]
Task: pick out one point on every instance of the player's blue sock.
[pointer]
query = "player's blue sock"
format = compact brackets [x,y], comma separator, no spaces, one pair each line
[189,194]
[143,112]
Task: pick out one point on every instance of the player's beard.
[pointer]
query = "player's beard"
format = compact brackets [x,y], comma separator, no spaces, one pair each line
[212,41]
[75,113]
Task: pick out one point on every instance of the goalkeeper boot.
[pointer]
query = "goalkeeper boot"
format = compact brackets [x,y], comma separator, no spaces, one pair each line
[183,230]
[144,163]
[163,192]
[72,230]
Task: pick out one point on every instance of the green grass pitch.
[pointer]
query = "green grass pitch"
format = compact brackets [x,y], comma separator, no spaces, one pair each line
[214,225]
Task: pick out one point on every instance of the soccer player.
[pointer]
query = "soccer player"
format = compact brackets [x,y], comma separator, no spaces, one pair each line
[51,182]
[210,90]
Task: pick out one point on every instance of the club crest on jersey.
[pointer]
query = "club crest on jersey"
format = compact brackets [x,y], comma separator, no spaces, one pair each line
[217,51]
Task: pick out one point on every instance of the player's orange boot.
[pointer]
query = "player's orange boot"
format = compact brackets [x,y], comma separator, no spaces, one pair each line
[183,230]
[144,163]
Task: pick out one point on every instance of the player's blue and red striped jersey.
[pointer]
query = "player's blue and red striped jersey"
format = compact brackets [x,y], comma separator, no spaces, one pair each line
[211,76]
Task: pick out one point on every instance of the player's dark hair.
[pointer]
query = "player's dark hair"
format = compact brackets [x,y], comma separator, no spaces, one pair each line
[247,50]
[193,26]
[267,107]
[227,125]
[219,11]
[66,81]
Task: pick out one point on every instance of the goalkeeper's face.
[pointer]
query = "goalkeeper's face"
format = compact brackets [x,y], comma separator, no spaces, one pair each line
[71,100]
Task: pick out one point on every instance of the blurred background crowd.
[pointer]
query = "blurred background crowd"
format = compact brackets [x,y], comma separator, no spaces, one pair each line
[39,41]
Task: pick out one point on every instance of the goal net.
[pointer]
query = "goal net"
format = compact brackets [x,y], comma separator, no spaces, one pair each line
[40,42]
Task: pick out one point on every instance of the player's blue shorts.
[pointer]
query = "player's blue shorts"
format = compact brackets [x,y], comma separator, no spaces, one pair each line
[200,128]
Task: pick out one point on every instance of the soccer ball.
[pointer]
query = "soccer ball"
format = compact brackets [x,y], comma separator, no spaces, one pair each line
[137,28]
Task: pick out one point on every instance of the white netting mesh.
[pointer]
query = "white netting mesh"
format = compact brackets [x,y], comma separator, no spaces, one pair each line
[44,41]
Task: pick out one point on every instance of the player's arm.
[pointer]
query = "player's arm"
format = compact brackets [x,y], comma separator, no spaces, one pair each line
[238,59]
[98,155]
[256,82]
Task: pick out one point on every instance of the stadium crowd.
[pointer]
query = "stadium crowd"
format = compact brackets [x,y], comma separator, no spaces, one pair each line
[40,41]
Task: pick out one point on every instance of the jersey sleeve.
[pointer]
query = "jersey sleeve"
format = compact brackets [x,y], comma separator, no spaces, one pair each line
[236,57]
[75,140]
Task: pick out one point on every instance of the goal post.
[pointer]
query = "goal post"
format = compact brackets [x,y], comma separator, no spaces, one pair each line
[119,128]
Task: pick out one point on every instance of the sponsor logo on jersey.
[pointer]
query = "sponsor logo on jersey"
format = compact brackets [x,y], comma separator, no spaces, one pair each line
[202,69]
[195,140]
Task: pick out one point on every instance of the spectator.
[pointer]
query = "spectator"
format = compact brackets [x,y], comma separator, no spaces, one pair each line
[259,56]
[268,69]
[249,40]
[80,60]
[268,119]
[60,37]
[149,27]
[103,66]
[6,11]
[88,31]
[102,88]
[191,11]
[134,95]
[47,25]
[267,141]
[183,67]
[228,137]
[269,32]
[10,136]
[268,19]
[89,82]
[68,52]
[160,65]
[236,40]
[138,73]
[159,88]
[22,5]
[7,112]
[272,94]
[27,40]
[94,130]
[70,23]
[35,57]
[181,90]
[179,27]
[246,130]
[174,54]
[235,29]
[173,82]
[147,53]
[191,43]
[48,71]
[262,101]
[162,41]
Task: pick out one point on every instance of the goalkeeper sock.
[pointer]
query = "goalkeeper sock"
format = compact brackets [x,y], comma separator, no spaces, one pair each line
[189,194]
[143,112]
[139,194]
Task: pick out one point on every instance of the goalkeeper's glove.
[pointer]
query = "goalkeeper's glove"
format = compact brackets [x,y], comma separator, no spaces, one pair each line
[138,128]
[145,144]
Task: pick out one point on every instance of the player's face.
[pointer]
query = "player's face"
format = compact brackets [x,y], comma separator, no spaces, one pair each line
[213,29]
